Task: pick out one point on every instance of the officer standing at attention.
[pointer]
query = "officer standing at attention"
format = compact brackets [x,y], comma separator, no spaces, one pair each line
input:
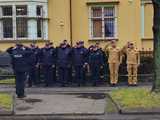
[96,62]
[64,60]
[79,62]
[48,63]
[103,69]
[33,65]
[19,56]
[114,61]
[133,61]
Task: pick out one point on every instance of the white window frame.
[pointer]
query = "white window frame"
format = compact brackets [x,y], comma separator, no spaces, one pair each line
[143,4]
[103,24]
[44,16]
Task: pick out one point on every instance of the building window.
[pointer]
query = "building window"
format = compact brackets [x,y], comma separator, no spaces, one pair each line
[39,21]
[7,28]
[15,21]
[23,21]
[21,27]
[39,10]
[7,22]
[103,22]
[39,28]
[7,10]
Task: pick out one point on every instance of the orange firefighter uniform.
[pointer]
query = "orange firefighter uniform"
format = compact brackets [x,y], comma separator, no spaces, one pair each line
[114,60]
[133,61]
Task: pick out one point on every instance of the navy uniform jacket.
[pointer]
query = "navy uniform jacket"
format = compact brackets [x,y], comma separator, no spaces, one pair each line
[79,56]
[64,57]
[48,56]
[96,58]
[19,58]
[34,57]
[104,55]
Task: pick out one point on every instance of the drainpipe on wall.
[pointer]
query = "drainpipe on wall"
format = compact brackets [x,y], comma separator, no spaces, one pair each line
[71,22]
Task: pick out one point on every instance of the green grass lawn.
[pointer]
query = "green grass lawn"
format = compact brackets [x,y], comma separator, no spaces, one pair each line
[131,98]
[8,81]
[6,101]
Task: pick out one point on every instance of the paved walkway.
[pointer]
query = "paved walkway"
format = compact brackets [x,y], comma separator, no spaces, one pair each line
[61,104]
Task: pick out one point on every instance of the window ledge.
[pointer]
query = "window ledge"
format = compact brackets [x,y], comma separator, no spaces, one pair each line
[146,2]
[36,18]
[22,41]
[102,39]
[102,1]
[144,39]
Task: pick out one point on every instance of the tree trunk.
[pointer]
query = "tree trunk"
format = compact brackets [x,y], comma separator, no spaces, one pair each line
[156,34]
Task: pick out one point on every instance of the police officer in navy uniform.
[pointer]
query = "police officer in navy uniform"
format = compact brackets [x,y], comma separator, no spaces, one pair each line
[104,67]
[79,62]
[48,63]
[33,62]
[96,63]
[70,77]
[19,56]
[64,61]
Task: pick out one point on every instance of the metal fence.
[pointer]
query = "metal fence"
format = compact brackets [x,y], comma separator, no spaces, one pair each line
[145,71]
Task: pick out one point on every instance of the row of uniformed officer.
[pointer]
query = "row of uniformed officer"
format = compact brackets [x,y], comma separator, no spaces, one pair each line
[63,58]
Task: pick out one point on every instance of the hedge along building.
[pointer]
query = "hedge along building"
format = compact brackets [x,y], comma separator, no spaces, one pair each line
[93,21]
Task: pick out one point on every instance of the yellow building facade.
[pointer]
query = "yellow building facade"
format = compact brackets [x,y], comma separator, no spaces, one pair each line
[93,21]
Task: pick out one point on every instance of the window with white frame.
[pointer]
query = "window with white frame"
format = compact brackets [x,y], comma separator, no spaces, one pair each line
[146,19]
[103,21]
[23,21]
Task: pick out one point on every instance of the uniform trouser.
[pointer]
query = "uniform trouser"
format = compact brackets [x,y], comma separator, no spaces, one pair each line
[132,74]
[104,72]
[49,75]
[95,73]
[79,74]
[32,76]
[70,75]
[20,83]
[63,74]
[114,68]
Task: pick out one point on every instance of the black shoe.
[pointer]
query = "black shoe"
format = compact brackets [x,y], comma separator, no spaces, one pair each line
[129,85]
[95,85]
[134,85]
[21,96]
[63,85]
[29,86]
[113,85]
